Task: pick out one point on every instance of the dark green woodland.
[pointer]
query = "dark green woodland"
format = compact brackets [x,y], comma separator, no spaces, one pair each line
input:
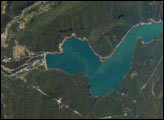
[35,93]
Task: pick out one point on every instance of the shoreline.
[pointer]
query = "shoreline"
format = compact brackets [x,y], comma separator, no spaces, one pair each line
[144,43]
[44,60]
[84,39]
[139,24]
[60,70]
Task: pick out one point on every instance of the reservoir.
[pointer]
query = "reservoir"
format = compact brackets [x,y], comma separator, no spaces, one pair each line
[105,76]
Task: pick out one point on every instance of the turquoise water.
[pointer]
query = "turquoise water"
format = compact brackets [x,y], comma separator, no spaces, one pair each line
[103,76]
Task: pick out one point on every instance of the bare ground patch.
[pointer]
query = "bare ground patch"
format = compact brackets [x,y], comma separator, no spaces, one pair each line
[18,51]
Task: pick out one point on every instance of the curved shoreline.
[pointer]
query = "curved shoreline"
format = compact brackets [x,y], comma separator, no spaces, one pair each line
[102,59]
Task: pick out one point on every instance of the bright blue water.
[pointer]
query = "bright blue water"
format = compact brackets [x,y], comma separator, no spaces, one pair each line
[103,77]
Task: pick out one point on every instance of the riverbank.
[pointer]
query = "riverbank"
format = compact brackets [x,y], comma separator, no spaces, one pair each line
[141,23]
[103,77]
[102,59]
